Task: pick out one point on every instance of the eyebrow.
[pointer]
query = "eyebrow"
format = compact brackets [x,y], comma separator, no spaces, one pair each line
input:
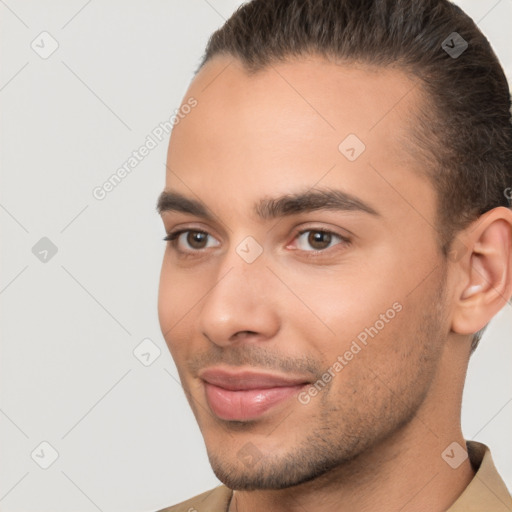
[271,208]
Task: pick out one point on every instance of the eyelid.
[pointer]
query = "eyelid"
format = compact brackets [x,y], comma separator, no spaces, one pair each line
[173,235]
[344,240]
[183,226]
[321,229]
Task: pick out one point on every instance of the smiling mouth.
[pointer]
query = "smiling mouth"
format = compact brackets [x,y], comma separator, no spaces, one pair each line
[247,395]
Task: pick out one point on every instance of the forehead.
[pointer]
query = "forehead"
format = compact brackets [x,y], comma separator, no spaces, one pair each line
[311,90]
[297,122]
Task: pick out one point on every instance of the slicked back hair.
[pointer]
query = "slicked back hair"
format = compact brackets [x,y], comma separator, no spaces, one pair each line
[463,131]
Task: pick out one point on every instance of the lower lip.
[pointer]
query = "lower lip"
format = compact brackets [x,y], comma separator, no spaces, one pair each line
[243,405]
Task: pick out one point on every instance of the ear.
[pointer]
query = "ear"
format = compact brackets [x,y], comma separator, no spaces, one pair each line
[485,271]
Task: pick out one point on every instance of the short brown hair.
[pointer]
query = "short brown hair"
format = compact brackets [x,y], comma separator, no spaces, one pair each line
[465,131]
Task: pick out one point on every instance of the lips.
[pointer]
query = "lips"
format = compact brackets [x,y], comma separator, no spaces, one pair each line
[246,395]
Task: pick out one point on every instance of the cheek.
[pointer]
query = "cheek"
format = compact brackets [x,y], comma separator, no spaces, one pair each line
[335,305]
[364,318]
[178,294]
[167,295]
[392,362]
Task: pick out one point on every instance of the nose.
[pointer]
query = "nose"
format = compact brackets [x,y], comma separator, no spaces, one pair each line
[241,305]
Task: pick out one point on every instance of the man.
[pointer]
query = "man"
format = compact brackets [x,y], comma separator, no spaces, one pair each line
[339,235]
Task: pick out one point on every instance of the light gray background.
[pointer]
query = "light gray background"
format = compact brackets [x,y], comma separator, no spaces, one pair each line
[123,431]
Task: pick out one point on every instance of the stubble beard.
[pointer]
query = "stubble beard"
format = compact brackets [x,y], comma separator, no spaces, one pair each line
[340,432]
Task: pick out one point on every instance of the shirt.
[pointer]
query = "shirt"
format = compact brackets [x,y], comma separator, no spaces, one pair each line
[485,493]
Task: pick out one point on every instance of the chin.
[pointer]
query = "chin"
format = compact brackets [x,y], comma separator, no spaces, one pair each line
[271,473]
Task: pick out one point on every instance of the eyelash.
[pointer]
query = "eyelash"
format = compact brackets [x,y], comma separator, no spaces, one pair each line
[173,236]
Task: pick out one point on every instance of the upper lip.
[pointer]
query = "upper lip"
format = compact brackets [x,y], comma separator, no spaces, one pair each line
[247,379]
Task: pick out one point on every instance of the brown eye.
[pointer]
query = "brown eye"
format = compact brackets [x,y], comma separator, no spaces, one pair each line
[319,240]
[197,239]
[190,240]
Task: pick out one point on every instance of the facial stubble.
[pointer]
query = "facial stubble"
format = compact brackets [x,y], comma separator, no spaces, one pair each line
[346,423]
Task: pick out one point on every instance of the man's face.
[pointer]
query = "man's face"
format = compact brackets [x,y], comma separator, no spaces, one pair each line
[305,330]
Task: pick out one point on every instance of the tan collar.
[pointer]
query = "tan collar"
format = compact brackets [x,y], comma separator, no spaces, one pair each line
[487,491]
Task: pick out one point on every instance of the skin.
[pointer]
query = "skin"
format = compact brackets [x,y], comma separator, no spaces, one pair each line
[373,437]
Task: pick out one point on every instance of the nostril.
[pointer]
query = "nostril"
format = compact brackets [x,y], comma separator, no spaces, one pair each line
[243,334]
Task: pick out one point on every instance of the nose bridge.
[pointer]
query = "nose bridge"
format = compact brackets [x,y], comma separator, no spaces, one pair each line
[245,264]
[239,300]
